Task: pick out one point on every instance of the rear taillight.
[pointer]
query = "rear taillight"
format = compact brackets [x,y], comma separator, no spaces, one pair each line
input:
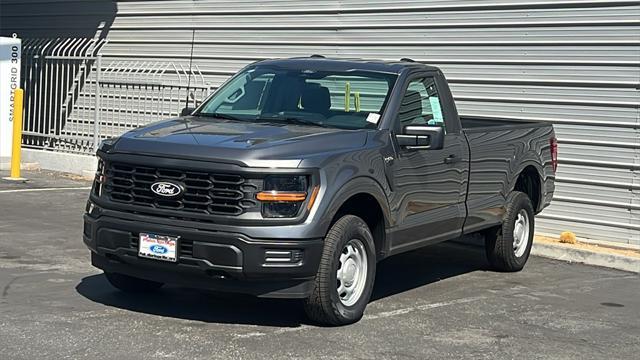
[553,142]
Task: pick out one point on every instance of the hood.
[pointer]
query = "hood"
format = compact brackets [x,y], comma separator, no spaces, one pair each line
[236,141]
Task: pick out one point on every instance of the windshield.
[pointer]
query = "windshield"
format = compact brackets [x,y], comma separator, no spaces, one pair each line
[349,100]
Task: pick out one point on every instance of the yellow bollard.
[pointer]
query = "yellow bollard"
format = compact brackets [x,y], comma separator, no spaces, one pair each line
[17,135]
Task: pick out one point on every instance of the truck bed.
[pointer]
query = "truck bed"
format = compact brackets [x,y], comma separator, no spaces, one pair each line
[497,147]
[481,124]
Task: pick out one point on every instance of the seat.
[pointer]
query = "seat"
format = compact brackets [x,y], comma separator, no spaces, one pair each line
[316,99]
[411,109]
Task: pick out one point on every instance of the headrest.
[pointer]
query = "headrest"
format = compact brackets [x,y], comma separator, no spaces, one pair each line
[411,106]
[316,98]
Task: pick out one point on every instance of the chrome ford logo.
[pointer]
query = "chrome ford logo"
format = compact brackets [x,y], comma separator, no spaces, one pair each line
[158,249]
[166,189]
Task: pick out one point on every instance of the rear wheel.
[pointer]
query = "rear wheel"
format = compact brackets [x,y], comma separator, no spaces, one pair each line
[508,246]
[346,274]
[131,284]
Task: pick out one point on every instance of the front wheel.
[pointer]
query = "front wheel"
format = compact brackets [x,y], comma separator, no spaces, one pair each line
[344,282]
[508,246]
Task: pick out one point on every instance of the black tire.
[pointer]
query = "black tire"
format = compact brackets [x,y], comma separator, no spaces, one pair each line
[499,241]
[131,284]
[324,305]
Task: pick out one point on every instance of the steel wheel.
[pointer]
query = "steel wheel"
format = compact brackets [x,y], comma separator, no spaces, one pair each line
[342,288]
[521,233]
[352,272]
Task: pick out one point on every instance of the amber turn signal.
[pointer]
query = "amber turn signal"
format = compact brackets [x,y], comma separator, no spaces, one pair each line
[314,194]
[281,196]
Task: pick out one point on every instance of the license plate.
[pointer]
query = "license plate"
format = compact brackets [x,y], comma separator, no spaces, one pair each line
[159,247]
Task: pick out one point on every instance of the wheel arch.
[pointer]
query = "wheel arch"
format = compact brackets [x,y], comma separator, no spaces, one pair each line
[362,197]
[529,181]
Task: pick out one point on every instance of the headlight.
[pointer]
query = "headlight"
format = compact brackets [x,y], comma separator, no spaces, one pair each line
[100,178]
[284,195]
[106,144]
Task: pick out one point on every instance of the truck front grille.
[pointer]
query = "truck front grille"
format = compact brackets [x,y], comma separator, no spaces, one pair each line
[204,192]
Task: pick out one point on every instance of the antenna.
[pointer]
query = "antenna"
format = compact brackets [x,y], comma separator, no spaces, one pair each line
[193,37]
[407,60]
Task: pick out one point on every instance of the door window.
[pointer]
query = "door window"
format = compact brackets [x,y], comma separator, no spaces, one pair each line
[421,104]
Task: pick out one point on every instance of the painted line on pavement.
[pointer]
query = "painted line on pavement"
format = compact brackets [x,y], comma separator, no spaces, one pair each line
[381,315]
[422,307]
[46,189]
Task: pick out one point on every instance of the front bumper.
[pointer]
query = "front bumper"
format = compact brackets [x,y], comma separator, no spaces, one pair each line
[216,260]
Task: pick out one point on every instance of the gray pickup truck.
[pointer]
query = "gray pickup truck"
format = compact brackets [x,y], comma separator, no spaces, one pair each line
[298,175]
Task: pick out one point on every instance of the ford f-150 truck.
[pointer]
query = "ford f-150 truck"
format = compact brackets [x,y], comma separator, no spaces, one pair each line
[297,176]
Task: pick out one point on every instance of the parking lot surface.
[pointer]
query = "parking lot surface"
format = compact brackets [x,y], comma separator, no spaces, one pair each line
[438,302]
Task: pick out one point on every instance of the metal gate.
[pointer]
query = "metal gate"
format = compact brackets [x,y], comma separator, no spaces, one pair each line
[132,94]
[55,71]
[73,100]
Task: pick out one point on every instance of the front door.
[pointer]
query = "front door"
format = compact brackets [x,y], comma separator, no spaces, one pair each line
[428,183]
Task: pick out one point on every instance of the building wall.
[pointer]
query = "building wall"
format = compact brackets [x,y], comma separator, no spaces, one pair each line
[573,63]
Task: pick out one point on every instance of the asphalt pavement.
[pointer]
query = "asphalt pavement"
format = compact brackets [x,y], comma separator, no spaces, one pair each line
[434,303]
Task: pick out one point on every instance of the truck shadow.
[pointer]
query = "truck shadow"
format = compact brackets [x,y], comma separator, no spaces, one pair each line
[425,266]
[394,276]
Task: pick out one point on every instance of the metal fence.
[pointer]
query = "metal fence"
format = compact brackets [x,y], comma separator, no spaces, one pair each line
[73,100]
[55,72]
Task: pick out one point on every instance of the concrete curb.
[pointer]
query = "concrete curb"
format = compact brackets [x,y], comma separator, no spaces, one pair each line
[69,163]
[565,253]
[27,166]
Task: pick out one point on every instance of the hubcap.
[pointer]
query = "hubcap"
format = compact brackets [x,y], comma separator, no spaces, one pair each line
[352,272]
[521,233]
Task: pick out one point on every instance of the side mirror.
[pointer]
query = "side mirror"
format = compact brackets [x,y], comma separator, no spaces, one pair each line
[420,137]
[187,111]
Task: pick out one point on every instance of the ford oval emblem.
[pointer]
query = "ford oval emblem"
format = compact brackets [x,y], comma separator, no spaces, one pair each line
[166,189]
[158,249]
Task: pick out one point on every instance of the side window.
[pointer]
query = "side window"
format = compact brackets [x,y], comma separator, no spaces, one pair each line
[421,104]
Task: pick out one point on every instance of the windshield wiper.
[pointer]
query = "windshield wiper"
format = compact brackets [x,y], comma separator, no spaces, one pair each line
[219,116]
[290,120]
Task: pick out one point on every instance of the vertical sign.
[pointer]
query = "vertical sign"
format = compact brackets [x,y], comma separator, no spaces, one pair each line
[10,51]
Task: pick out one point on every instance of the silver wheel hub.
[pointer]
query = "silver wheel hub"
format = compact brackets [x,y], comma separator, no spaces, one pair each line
[352,272]
[521,231]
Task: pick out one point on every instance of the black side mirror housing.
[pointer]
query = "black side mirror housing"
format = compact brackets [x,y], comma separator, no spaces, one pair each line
[187,111]
[421,137]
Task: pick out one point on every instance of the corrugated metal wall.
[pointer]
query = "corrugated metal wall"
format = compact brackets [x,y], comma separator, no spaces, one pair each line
[573,63]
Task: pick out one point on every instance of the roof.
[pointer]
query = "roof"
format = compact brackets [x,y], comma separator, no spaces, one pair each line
[322,63]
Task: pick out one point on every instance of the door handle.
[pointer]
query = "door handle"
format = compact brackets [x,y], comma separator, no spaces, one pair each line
[451,159]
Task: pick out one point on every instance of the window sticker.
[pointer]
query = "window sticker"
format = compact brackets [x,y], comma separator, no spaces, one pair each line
[435,109]
[373,118]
